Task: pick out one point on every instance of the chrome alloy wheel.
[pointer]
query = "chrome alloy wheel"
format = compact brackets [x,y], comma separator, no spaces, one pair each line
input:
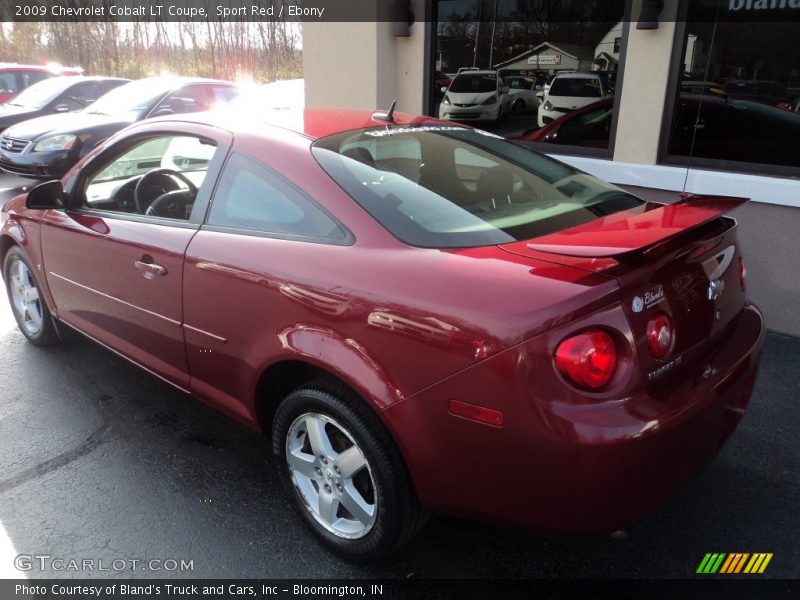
[332,475]
[25,298]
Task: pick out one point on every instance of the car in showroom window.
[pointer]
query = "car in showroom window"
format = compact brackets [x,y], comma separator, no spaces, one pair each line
[568,92]
[742,117]
[400,304]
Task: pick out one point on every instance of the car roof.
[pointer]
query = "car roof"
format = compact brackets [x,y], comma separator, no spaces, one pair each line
[6,66]
[180,80]
[84,78]
[313,123]
[477,72]
[578,75]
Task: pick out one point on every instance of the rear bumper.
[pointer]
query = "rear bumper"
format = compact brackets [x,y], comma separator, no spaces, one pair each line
[567,466]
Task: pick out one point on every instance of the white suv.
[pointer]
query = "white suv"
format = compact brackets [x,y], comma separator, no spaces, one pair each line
[568,92]
[475,96]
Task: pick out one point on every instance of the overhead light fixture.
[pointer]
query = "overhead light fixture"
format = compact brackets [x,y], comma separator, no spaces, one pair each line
[404,18]
[648,18]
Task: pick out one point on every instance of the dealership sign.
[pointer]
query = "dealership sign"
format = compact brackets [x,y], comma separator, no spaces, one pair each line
[762,4]
[544,59]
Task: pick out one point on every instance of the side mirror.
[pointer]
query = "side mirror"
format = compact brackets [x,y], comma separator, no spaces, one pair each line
[444,89]
[504,90]
[61,108]
[538,87]
[163,112]
[45,196]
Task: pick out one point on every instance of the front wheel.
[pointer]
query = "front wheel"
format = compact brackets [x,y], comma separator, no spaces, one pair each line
[27,304]
[343,472]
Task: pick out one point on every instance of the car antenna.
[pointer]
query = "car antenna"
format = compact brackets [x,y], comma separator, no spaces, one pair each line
[385,116]
[684,194]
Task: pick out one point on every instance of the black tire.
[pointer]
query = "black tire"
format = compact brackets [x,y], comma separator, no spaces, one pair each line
[397,514]
[33,320]
[518,108]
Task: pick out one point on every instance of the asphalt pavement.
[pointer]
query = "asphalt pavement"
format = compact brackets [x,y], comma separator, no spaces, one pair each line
[101,461]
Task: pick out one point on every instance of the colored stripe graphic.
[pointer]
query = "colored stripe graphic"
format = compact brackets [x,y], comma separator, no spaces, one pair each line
[734,563]
[711,563]
[759,562]
[723,563]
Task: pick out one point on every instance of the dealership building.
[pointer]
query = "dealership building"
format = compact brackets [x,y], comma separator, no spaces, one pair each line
[661,142]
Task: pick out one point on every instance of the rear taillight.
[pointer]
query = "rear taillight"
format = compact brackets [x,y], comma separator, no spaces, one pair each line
[742,274]
[588,359]
[659,335]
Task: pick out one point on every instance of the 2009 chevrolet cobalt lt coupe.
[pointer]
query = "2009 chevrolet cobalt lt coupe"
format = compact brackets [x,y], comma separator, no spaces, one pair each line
[424,317]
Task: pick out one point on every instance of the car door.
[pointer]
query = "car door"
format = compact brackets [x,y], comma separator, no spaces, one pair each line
[115,273]
[248,269]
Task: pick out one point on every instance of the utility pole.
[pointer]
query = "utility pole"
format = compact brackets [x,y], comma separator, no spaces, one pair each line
[491,44]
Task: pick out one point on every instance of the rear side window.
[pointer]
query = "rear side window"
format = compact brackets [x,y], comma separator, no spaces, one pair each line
[250,196]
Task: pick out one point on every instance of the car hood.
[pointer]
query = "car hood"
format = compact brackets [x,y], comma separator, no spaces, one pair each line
[469,97]
[75,123]
[572,102]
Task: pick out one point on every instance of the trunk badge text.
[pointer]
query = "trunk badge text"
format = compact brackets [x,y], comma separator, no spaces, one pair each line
[650,297]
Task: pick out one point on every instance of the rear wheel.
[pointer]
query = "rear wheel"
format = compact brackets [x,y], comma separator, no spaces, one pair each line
[343,473]
[27,304]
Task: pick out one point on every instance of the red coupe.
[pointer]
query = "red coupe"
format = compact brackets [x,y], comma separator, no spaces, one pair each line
[424,317]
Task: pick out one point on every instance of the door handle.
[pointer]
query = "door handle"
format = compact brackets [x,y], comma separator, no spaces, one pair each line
[148,268]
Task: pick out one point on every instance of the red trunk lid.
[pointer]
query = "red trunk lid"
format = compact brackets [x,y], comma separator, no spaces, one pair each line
[679,259]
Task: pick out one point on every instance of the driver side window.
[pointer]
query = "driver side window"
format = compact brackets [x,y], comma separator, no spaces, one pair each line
[159,177]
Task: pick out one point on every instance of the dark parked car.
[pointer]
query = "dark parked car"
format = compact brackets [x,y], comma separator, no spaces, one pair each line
[15,77]
[767,92]
[55,95]
[736,130]
[421,316]
[49,146]
[728,129]
[589,127]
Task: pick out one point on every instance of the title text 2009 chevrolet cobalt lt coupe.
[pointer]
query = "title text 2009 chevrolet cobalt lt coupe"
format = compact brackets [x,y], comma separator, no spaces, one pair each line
[423,317]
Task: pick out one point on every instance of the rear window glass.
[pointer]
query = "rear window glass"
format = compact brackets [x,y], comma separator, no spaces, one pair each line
[444,186]
[576,87]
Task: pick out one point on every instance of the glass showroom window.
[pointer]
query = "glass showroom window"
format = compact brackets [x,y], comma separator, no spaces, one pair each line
[737,97]
[529,45]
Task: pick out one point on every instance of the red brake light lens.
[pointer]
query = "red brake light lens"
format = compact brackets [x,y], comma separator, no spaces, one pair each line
[659,335]
[588,359]
[742,274]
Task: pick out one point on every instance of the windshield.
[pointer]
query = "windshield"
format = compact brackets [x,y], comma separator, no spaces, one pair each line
[520,83]
[442,186]
[132,100]
[583,87]
[474,83]
[42,93]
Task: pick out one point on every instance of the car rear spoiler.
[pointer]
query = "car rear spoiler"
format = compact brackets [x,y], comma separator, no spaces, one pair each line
[633,231]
